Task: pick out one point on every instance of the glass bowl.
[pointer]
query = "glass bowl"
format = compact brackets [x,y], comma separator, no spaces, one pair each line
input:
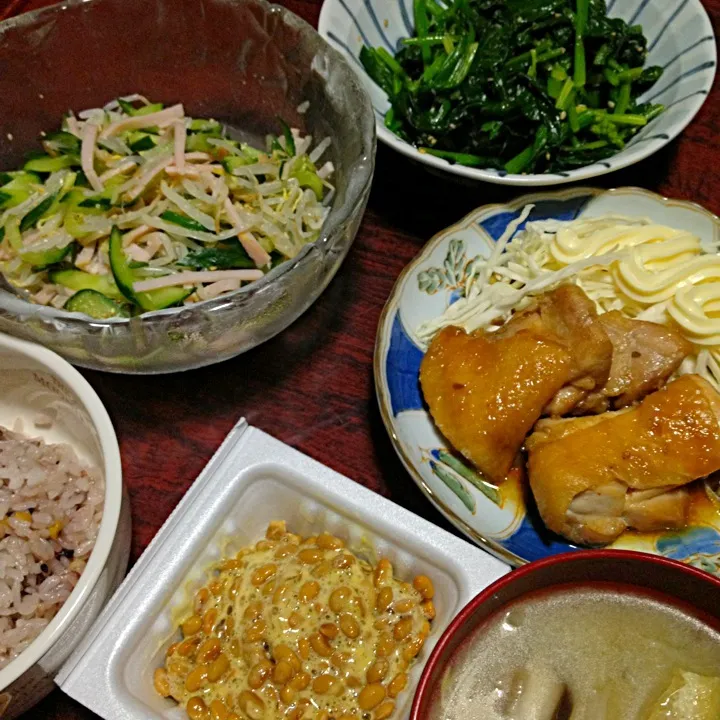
[243,62]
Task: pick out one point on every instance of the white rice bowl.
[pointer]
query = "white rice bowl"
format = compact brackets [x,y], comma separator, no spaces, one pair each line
[54,581]
[51,504]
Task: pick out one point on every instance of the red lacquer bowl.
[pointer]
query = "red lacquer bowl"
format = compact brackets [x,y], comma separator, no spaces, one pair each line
[677,583]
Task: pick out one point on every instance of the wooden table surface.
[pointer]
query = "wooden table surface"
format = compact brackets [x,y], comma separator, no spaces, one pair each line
[312,387]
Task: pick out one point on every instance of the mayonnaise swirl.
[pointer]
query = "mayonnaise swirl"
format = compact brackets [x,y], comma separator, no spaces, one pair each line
[660,265]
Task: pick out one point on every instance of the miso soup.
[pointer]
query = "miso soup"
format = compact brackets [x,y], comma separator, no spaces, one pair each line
[591,652]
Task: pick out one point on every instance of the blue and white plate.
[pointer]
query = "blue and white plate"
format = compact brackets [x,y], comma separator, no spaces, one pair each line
[680,39]
[500,521]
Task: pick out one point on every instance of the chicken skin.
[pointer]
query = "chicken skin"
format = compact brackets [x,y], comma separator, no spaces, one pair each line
[594,477]
[485,391]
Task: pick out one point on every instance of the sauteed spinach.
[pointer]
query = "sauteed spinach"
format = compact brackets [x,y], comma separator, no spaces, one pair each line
[528,86]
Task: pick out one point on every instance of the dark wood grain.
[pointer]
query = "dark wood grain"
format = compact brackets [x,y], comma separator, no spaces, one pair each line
[312,387]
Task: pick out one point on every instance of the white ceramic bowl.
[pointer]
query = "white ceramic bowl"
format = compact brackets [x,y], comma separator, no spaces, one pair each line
[33,380]
[680,39]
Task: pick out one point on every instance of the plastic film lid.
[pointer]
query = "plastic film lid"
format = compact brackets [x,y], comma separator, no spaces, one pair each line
[251,480]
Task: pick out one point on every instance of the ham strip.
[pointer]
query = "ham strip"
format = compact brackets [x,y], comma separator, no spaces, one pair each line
[158,119]
[193,278]
[252,247]
[87,156]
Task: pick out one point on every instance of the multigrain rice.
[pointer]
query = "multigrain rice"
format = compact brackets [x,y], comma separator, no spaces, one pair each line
[51,505]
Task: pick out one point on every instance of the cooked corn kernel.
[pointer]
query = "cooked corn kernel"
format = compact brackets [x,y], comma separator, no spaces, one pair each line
[55,528]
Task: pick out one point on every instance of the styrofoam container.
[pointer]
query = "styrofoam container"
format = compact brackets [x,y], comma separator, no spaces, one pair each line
[252,480]
[35,381]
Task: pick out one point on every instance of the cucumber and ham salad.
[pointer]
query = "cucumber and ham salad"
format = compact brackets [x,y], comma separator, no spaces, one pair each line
[136,207]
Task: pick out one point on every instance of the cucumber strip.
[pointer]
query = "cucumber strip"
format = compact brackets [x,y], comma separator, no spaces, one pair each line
[139,141]
[61,142]
[49,164]
[31,219]
[198,142]
[289,139]
[95,304]
[12,232]
[129,109]
[305,173]
[79,280]
[182,221]
[147,109]
[233,162]
[125,278]
[48,257]
[205,126]
[19,189]
[98,202]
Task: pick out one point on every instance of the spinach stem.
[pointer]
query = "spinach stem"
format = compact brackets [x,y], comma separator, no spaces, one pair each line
[629,75]
[429,40]
[520,161]
[581,18]
[459,158]
[422,25]
[622,103]
[566,95]
[519,60]
[390,61]
[636,120]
